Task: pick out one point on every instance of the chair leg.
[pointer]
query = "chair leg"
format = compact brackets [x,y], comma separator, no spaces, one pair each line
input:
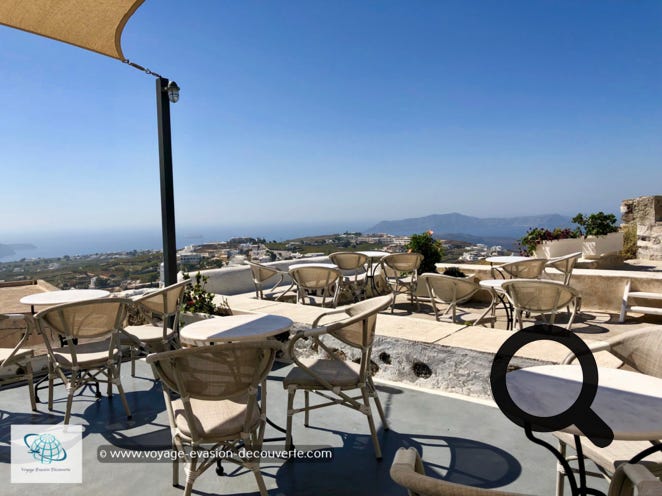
[260,481]
[560,473]
[51,378]
[380,410]
[290,406]
[133,360]
[371,424]
[109,389]
[120,390]
[71,389]
[30,375]
[306,396]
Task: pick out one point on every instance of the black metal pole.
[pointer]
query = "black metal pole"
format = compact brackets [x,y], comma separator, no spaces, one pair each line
[167,190]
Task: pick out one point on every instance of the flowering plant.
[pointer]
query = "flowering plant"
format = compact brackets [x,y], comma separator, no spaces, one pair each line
[537,235]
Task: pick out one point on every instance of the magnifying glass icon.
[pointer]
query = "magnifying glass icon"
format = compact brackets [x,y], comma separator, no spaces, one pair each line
[579,413]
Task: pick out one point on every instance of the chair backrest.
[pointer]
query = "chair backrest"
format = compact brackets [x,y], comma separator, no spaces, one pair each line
[402,262]
[262,273]
[21,336]
[449,289]
[164,302]
[348,260]
[534,295]
[640,349]
[358,329]
[315,278]
[565,265]
[96,318]
[525,269]
[218,372]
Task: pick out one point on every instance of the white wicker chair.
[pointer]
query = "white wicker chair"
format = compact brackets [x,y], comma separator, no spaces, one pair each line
[401,273]
[541,297]
[17,357]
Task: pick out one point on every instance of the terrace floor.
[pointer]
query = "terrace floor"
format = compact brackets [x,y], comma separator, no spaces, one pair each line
[462,440]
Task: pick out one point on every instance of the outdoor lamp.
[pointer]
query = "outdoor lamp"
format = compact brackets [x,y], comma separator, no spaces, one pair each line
[173,91]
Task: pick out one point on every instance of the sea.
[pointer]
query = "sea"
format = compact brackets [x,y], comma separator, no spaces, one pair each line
[55,244]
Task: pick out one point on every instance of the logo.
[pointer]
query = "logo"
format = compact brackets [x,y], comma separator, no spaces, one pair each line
[46,454]
[45,448]
[579,413]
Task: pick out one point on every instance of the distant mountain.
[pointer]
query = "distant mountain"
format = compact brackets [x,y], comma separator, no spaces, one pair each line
[7,250]
[467,228]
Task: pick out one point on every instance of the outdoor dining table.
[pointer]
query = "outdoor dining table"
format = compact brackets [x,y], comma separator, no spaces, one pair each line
[373,257]
[628,402]
[58,297]
[243,327]
[498,295]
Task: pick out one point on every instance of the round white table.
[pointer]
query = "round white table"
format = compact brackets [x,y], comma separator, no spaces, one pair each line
[247,327]
[628,402]
[373,256]
[498,295]
[316,265]
[62,296]
[504,259]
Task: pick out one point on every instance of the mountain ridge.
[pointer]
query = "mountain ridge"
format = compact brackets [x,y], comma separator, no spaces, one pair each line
[455,223]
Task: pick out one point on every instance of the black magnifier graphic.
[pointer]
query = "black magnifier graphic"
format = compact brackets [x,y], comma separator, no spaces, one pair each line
[579,413]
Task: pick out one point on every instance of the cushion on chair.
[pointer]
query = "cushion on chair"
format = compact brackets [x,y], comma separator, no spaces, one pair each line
[87,354]
[338,373]
[617,453]
[213,418]
[148,332]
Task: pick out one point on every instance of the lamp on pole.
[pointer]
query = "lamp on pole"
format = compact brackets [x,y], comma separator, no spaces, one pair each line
[167,91]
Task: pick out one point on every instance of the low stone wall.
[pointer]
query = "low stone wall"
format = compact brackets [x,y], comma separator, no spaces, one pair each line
[237,279]
[432,366]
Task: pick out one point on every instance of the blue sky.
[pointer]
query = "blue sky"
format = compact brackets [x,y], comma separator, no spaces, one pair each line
[345,112]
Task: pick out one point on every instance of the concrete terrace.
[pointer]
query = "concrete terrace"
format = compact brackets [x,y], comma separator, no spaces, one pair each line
[449,415]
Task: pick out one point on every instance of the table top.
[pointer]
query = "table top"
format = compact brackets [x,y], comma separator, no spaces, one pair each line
[630,403]
[372,254]
[504,259]
[316,265]
[492,283]
[246,327]
[63,296]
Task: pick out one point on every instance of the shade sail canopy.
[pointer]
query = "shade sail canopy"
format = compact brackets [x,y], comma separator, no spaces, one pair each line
[91,24]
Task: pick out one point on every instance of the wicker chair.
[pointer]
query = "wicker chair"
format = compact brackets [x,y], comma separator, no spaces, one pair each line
[333,377]
[565,265]
[407,470]
[162,333]
[18,357]
[354,274]
[639,350]
[211,396]
[263,273]
[317,283]
[401,273]
[448,290]
[543,297]
[98,324]
[524,269]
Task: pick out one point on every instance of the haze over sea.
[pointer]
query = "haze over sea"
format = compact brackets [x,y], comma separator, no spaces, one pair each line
[85,242]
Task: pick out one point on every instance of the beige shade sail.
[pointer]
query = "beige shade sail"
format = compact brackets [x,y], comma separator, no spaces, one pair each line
[95,25]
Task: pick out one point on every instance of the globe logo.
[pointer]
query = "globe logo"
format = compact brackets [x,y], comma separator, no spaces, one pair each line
[45,448]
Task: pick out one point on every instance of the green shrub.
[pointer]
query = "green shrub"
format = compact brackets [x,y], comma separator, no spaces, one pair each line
[536,235]
[197,299]
[454,272]
[430,248]
[629,242]
[598,224]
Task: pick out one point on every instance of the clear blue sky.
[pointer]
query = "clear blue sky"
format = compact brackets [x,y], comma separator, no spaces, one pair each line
[347,111]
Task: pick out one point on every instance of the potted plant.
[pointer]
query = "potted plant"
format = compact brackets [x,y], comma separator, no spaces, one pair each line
[545,243]
[198,303]
[601,234]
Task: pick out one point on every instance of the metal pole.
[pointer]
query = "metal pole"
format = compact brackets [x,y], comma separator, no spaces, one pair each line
[167,191]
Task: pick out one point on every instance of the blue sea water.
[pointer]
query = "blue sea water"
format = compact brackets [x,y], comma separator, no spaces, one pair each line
[60,243]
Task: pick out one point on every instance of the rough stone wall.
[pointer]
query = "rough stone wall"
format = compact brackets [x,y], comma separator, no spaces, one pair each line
[646,213]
